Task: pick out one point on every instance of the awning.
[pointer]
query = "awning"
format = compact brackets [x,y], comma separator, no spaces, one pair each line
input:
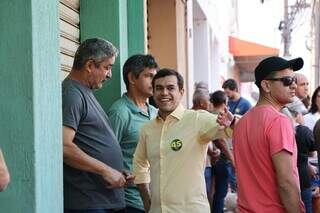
[247,55]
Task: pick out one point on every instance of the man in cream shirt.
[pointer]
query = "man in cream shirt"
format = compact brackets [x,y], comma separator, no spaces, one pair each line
[170,157]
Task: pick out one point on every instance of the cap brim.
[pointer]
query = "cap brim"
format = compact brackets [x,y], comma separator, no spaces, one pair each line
[296,64]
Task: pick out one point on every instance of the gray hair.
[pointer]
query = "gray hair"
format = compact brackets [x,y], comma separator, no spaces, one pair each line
[95,49]
[300,76]
[201,85]
[199,96]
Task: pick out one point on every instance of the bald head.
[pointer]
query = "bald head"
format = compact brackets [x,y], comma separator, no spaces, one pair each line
[302,90]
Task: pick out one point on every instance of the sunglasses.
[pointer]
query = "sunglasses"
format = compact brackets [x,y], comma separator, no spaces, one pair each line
[286,80]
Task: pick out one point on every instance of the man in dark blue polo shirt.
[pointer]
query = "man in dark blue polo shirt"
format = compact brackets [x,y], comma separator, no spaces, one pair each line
[236,105]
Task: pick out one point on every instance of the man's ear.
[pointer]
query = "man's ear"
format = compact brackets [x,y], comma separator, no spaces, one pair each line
[88,65]
[265,85]
[182,91]
[131,78]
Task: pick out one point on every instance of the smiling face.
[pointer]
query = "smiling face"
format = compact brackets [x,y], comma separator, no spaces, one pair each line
[167,94]
[99,73]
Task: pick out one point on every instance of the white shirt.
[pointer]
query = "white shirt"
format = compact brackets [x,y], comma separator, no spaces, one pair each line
[311,119]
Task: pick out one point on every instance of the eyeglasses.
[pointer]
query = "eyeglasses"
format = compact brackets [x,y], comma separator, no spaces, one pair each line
[286,80]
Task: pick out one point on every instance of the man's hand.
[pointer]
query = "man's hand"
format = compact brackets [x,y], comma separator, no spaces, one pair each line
[225,118]
[316,192]
[113,178]
[129,178]
[76,158]
[312,170]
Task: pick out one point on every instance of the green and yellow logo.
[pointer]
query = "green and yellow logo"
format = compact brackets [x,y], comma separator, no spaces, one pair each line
[176,144]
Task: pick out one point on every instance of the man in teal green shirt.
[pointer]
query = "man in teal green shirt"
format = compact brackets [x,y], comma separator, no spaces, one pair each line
[130,112]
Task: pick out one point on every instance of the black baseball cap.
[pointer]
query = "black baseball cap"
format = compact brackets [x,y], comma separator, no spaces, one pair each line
[275,63]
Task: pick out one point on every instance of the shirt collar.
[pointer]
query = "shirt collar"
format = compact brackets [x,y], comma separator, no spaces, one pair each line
[177,113]
[132,106]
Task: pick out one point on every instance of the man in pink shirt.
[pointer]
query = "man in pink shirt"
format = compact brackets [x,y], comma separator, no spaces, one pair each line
[264,144]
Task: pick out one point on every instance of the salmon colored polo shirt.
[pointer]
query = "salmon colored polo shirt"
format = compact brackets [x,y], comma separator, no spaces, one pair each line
[259,134]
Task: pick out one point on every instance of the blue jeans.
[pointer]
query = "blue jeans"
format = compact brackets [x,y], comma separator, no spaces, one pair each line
[88,211]
[232,178]
[221,173]
[306,196]
[208,177]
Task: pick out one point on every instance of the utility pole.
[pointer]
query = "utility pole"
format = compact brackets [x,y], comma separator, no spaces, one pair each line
[287,25]
[286,31]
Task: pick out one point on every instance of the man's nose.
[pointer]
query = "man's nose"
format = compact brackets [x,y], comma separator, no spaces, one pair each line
[109,74]
[164,91]
[294,85]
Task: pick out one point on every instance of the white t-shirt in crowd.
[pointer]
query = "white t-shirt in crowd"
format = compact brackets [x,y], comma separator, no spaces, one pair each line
[311,119]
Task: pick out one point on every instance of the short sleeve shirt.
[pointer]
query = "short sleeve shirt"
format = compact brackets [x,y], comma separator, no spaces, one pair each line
[259,134]
[171,157]
[239,107]
[126,119]
[94,136]
[310,119]
[306,144]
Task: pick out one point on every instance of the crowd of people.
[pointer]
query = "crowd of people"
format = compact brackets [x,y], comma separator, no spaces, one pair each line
[142,158]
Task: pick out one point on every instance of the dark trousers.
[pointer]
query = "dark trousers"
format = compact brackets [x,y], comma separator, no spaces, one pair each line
[130,209]
[221,173]
[208,178]
[306,196]
[232,178]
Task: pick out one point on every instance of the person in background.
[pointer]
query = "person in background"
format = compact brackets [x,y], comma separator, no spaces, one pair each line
[316,193]
[307,101]
[4,173]
[265,150]
[93,171]
[236,104]
[302,90]
[305,144]
[316,133]
[301,94]
[201,102]
[313,116]
[130,112]
[222,169]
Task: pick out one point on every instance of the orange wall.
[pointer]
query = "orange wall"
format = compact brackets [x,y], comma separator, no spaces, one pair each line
[167,35]
[162,32]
